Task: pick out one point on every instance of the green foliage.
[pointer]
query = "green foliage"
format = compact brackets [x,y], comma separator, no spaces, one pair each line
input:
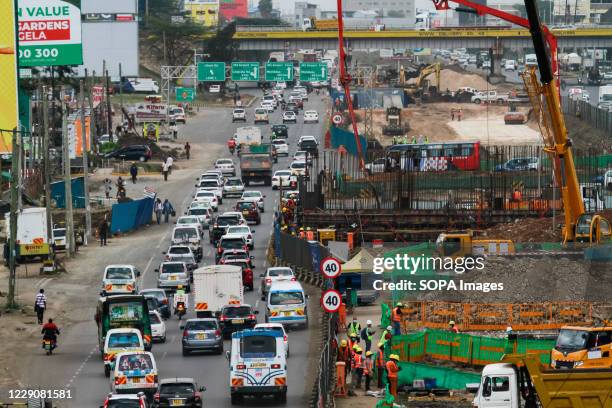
[172,43]
[222,47]
[243,21]
[396,14]
[108,147]
[265,8]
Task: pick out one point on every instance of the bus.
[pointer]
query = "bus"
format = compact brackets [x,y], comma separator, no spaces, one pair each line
[123,311]
[434,156]
[582,347]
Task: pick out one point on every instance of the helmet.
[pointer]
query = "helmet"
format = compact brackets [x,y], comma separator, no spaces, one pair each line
[355,346]
[301,228]
[353,335]
[343,343]
[451,323]
[369,322]
[368,353]
[394,357]
[399,304]
[358,350]
[508,329]
[389,328]
[307,228]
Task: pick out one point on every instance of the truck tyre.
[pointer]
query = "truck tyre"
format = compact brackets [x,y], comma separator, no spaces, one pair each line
[477,101]
[281,398]
[236,399]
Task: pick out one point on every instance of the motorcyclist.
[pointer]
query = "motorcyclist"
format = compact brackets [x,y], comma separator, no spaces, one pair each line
[180,297]
[50,331]
[231,144]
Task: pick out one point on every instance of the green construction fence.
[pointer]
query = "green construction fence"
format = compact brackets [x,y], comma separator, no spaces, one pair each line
[445,377]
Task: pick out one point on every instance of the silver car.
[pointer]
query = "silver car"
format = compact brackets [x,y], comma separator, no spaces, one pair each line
[275,274]
[172,275]
[233,187]
[181,253]
[202,335]
[226,166]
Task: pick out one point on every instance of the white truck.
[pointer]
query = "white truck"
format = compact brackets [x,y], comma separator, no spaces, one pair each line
[531,60]
[277,56]
[31,233]
[490,97]
[605,96]
[249,135]
[216,286]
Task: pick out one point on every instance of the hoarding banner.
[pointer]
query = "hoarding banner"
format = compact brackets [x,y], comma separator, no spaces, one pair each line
[9,112]
[230,9]
[151,112]
[49,33]
[75,137]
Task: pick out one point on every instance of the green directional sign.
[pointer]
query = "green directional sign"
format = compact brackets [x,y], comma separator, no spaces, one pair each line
[185,94]
[279,71]
[211,71]
[245,71]
[313,71]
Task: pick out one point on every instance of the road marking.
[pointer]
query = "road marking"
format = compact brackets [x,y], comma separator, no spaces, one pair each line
[256,303]
[78,371]
[164,355]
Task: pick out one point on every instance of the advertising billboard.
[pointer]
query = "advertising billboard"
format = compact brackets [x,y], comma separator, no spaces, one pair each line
[9,112]
[49,33]
[230,9]
[205,12]
[75,137]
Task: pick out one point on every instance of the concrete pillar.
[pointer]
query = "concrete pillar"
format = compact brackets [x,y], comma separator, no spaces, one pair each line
[496,52]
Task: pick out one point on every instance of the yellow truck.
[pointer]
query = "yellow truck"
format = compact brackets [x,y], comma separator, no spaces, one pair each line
[458,244]
[313,23]
[521,381]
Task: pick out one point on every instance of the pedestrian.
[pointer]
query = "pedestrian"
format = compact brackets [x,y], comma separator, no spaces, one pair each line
[459,115]
[452,114]
[174,130]
[108,186]
[133,172]
[354,328]
[344,354]
[392,370]
[159,208]
[368,369]
[165,170]
[40,305]
[187,149]
[120,182]
[357,373]
[380,367]
[396,318]
[169,161]
[168,210]
[452,328]
[102,231]
[366,334]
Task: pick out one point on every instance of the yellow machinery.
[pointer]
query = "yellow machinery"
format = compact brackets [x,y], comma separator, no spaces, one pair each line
[326,234]
[417,87]
[461,244]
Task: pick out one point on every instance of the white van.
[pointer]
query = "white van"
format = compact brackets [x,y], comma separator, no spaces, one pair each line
[510,65]
[119,341]
[258,365]
[135,371]
[286,304]
[120,279]
[188,235]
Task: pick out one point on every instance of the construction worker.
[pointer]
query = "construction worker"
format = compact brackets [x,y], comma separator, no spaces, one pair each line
[385,337]
[302,233]
[366,334]
[396,319]
[344,355]
[357,372]
[309,234]
[414,139]
[354,328]
[452,327]
[459,114]
[392,370]
[380,367]
[517,196]
[342,315]
[368,369]
[394,140]
[353,341]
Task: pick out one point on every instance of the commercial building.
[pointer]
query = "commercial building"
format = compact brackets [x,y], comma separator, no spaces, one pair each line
[402,12]
[205,12]
[230,9]
[305,10]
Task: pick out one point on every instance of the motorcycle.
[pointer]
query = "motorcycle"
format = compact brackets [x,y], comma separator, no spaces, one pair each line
[48,345]
[180,310]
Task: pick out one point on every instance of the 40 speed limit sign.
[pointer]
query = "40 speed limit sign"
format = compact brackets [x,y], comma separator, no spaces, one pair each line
[330,268]
[331,301]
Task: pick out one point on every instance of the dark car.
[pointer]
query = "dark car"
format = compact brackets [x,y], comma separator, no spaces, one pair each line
[310,146]
[220,225]
[247,271]
[178,392]
[292,106]
[135,152]
[249,210]
[202,335]
[229,242]
[236,318]
[162,299]
[281,131]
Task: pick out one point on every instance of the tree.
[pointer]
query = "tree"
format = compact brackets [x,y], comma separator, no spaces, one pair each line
[222,47]
[396,14]
[172,43]
[265,8]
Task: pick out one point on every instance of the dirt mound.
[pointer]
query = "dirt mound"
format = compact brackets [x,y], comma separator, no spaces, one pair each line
[523,230]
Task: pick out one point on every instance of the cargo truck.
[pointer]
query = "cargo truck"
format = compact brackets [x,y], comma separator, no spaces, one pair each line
[32,241]
[521,381]
[248,135]
[215,286]
[256,164]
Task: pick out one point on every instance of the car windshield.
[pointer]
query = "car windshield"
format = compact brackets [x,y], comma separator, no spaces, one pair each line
[120,340]
[123,403]
[260,111]
[227,221]
[201,325]
[239,111]
[182,389]
[279,142]
[290,113]
[280,272]
[251,194]
[205,194]
[286,298]
[238,311]
[198,211]
[232,243]
[245,205]
[209,183]
[185,233]
[119,273]
[172,268]
[298,165]
[179,250]
[132,362]
[238,230]
[154,317]
[224,161]
[283,173]
[187,220]
[258,347]
[235,257]
[311,112]
[233,182]
[158,294]
[59,233]
[572,340]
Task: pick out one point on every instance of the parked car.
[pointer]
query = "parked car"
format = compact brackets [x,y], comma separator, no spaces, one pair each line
[134,152]
[202,335]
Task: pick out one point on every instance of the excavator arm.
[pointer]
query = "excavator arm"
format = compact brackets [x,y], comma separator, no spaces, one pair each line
[427,71]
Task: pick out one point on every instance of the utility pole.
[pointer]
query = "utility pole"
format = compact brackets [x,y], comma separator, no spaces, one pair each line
[67,179]
[45,135]
[92,116]
[121,91]
[85,164]
[15,191]
[109,111]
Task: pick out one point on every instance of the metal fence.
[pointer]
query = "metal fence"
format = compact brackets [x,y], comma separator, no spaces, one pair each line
[583,110]
[324,387]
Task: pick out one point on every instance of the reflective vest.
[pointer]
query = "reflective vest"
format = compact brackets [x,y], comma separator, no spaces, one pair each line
[383,337]
[353,328]
[395,315]
[344,354]
[368,334]
[302,234]
[310,235]
[380,359]
[368,366]
[357,361]
[392,369]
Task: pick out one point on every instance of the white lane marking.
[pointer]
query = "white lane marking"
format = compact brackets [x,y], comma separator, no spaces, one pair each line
[78,371]
[256,303]
[164,355]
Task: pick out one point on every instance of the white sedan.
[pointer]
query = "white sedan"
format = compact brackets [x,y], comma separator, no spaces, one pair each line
[268,106]
[298,168]
[254,196]
[244,231]
[283,177]
[289,116]
[311,116]
[281,146]
[158,327]
[206,195]
[226,166]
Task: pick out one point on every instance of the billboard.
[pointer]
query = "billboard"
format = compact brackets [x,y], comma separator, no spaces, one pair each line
[75,137]
[49,33]
[205,12]
[9,112]
[230,9]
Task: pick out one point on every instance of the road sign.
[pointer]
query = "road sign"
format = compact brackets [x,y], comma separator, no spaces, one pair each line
[245,71]
[279,71]
[337,119]
[49,33]
[211,71]
[184,94]
[313,71]
[330,267]
[331,301]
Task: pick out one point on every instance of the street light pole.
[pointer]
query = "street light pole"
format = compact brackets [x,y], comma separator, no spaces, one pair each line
[15,191]
[85,163]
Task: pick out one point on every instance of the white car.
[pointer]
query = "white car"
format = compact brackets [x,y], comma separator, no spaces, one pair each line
[212,185]
[202,210]
[207,196]
[190,221]
[281,147]
[214,89]
[283,177]
[239,114]
[275,327]
[303,93]
[238,214]
[233,186]
[226,166]
[302,155]
[254,196]
[59,238]
[270,98]
[304,138]
[177,114]
[275,274]
[261,115]
[120,280]
[281,85]
[158,327]
[289,116]
[244,231]
[298,168]
[311,116]
[268,106]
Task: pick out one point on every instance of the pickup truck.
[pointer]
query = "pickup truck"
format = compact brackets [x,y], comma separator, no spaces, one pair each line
[490,97]
[256,164]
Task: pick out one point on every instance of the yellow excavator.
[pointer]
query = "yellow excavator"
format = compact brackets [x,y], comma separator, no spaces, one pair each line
[417,88]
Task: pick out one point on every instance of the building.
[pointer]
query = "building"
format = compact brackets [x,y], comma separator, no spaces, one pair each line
[403,12]
[599,8]
[305,10]
[572,12]
[205,12]
[230,9]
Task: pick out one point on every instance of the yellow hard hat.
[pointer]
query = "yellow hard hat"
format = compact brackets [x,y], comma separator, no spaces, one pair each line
[343,343]
[355,346]
[399,304]
[451,323]
[179,287]
[368,353]
[358,350]
[301,228]
[394,357]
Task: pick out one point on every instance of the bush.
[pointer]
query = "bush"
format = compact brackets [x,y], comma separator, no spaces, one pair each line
[108,147]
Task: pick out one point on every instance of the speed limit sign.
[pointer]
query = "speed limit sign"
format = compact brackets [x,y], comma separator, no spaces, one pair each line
[337,119]
[330,267]
[331,301]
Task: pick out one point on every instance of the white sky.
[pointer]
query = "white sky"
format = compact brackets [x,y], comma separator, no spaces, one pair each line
[287,5]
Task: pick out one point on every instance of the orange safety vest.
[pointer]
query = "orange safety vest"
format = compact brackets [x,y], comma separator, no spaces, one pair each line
[380,359]
[343,354]
[395,316]
[357,360]
[392,369]
[302,235]
[310,235]
[368,366]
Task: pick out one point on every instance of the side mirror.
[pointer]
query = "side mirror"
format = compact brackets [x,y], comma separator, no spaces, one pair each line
[182,327]
[227,355]
[202,389]
[256,311]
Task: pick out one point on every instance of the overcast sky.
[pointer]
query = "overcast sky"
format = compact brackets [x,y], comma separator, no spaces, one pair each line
[287,5]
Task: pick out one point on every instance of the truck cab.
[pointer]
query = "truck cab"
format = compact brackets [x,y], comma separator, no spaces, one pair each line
[498,387]
[257,365]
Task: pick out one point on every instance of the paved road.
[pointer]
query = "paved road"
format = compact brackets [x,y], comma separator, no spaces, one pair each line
[77,363]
